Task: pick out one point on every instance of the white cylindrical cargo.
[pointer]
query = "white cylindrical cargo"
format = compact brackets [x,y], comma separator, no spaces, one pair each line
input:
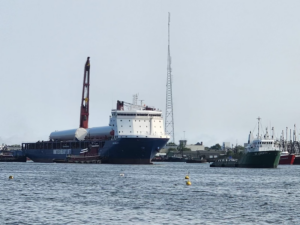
[72,134]
[99,132]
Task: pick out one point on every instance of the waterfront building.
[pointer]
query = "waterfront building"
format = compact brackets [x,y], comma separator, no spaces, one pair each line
[196,147]
[226,146]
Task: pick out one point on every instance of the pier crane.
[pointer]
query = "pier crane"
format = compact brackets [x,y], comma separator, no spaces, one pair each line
[84,109]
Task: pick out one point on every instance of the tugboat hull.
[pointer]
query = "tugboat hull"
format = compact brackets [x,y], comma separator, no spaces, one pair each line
[262,159]
[196,161]
[12,159]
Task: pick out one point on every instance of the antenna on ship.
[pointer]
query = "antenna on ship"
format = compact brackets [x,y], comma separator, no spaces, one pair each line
[286,140]
[84,109]
[295,135]
[258,119]
[135,99]
[169,120]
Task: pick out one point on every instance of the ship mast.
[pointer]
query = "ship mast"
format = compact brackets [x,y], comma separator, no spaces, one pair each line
[258,119]
[84,109]
[295,137]
[286,140]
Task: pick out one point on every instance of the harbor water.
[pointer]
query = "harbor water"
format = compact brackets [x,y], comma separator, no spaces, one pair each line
[147,194]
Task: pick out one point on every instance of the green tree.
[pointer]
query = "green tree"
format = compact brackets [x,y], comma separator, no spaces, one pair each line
[171,152]
[238,149]
[171,144]
[229,153]
[216,147]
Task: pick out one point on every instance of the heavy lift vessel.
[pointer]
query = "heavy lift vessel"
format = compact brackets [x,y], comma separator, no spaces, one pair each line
[134,135]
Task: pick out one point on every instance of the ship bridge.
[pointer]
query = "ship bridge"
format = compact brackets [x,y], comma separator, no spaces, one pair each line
[138,123]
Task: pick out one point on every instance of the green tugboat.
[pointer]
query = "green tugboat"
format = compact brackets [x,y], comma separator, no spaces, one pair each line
[262,152]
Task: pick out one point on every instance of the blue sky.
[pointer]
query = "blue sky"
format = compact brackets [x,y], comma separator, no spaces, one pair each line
[232,61]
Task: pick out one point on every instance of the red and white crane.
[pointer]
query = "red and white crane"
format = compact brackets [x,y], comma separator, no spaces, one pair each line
[84,109]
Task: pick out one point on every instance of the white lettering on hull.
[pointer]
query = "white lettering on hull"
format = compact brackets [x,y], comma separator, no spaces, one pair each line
[61,151]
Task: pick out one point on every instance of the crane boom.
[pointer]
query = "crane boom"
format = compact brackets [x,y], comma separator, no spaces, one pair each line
[84,109]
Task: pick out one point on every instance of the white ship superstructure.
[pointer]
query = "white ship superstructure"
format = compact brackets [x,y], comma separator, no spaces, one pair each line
[134,121]
[261,152]
[262,143]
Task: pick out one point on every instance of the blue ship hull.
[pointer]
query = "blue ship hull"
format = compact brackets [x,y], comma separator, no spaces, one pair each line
[120,151]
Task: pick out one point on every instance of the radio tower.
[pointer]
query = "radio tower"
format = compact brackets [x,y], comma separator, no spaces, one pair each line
[169,120]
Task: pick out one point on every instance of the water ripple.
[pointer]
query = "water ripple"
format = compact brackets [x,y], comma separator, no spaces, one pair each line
[147,194]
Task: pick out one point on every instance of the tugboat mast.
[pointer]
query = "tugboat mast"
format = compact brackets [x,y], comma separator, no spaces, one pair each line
[258,126]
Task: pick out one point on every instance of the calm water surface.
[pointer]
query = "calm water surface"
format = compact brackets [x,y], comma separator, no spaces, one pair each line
[147,194]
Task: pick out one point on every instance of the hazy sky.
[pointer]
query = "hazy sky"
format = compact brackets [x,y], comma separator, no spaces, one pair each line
[232,61]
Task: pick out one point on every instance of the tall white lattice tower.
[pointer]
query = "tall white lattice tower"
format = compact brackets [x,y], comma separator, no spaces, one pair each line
[169,119]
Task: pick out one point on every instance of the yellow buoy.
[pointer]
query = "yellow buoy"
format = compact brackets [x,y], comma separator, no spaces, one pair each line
[188,183]
[10,177]
[187,177]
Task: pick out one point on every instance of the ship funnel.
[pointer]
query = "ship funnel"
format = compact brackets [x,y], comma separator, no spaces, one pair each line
[250,137]
[120,105]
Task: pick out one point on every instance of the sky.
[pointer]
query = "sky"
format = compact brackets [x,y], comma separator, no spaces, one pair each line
[232,61]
